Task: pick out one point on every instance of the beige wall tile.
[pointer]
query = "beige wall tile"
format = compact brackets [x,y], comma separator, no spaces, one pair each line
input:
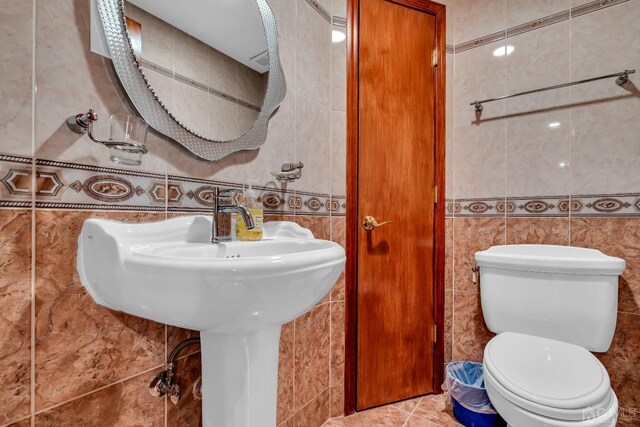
[338,153]
[313,50]
[285,13]
[606,120]
[339,73]
[16,86]
[475,18]
[521,11]
[313,145]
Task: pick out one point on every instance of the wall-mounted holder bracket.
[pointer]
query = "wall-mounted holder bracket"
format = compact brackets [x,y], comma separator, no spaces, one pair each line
[83,123]
[289,172]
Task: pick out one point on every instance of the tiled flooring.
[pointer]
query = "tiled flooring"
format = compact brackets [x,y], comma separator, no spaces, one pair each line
[427,411]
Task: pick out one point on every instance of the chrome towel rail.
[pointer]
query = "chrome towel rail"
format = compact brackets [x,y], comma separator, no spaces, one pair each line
[620,80]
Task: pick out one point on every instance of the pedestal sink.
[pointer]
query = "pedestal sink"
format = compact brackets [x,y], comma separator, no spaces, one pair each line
[237,294]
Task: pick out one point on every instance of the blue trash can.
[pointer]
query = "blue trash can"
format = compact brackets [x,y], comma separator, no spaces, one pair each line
[469,399]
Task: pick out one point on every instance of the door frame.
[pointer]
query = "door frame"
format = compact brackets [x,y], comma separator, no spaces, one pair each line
[352,217]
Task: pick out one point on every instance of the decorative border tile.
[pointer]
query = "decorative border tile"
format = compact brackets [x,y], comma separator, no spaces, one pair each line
[65,185]
[594,205]
[321,10]
[593,6]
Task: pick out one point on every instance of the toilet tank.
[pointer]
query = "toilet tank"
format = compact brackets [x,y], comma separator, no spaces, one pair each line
[564,293]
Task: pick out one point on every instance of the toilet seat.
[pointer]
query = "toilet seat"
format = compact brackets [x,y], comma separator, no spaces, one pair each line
[549,378]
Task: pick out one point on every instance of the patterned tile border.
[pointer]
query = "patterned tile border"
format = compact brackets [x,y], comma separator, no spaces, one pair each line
[574,12]
[65,185]
[591,205]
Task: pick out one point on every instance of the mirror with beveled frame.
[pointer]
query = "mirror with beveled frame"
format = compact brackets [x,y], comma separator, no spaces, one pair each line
[205,73]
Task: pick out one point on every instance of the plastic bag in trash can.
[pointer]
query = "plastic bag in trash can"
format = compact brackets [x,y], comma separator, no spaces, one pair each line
[465,383]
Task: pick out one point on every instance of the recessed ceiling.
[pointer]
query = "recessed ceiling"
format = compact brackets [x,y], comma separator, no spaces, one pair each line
[234,27]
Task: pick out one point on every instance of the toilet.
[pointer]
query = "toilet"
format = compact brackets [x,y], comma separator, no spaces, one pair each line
[550,306]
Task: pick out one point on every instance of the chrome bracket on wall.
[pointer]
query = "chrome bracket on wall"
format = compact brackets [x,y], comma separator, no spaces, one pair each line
[289,172]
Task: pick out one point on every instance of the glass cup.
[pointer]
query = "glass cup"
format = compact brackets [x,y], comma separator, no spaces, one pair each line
[131,130]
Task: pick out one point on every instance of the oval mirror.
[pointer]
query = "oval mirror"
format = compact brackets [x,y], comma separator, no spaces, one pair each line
[205,73]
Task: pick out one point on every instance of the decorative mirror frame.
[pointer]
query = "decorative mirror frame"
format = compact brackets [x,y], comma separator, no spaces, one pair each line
[158,116]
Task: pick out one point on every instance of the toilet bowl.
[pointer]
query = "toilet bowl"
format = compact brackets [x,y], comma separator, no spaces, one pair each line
[536,382]
[550,306]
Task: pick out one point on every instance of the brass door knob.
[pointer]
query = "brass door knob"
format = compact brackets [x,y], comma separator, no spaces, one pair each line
[369,223]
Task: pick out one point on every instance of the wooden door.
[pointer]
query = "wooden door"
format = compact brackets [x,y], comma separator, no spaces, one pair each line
[397,166]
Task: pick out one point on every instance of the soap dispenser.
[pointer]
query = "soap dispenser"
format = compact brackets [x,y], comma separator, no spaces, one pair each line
[255,209]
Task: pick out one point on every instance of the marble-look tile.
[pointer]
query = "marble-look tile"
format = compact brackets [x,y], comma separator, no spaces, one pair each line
[188,413]
[314,413]
[191,108]
[311,359]
[338,153]
[223,72]
[191,57]
[126,403]
[547,231]
[336,401]
[436,408]
[339,8]
[448,326]
[606,117]
[15,321]
[339,73]
[539,58]
[475,18]
[385,416]
[521,11]
[251,85]
[320,226]
[313,52]
[472,235]
[285,13]
[448,253]
[22,423]
[81,346]
[158,37]
[618,237]
[337,343]
[622,362]
[177,335]
[470,334]
[313,145]
[338,235]
[480,161]
[478,75]
[71,79]
[285,373]
[16,86]
[407,405]
[414,421]
[280,146]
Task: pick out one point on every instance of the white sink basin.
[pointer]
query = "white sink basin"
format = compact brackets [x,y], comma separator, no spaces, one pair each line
[238,294]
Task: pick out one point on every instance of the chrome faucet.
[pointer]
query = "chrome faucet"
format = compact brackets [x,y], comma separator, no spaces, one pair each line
[218,209]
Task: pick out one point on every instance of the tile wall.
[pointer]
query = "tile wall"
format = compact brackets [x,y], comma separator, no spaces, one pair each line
[71,362]
[555,167]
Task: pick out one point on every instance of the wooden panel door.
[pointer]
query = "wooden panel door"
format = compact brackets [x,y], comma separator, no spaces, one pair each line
[396,178]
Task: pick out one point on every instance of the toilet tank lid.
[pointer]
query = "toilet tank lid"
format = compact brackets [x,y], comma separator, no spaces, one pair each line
[550,259]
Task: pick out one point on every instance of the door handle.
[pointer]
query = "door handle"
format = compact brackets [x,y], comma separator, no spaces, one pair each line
[369,223]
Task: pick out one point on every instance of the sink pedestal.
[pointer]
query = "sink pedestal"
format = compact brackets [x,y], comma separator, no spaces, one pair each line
[240,378]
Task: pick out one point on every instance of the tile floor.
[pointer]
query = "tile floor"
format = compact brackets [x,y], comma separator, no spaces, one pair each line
[427,411]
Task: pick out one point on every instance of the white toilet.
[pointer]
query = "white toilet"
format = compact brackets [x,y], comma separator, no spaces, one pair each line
[550,306]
